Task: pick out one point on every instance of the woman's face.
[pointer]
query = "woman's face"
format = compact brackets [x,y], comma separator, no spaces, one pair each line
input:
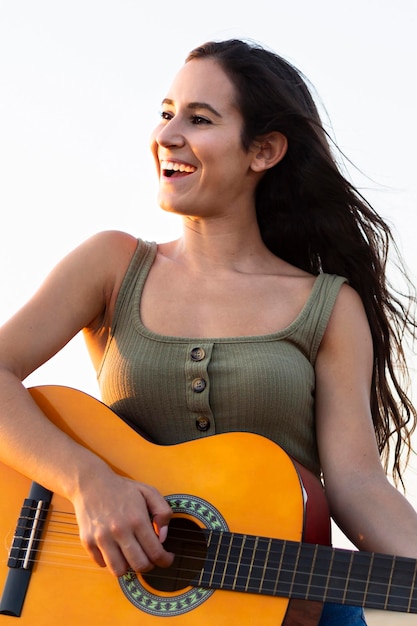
[203,168]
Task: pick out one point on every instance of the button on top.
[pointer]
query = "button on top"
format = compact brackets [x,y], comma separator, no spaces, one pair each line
[197,354]
[202,423]
[198,385]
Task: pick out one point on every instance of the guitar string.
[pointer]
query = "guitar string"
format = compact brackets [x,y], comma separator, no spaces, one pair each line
[188,574]
[315,590]
[243,562]
[198,533]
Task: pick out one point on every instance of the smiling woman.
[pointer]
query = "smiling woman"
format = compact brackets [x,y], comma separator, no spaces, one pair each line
[204,136]
[271,314]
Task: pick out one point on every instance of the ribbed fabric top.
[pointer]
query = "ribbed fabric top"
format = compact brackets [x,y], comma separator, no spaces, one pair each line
[175,389]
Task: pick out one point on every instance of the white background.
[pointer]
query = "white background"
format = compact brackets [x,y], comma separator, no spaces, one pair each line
[80,86]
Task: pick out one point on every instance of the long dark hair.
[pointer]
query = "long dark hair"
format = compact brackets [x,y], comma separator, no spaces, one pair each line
[310,215]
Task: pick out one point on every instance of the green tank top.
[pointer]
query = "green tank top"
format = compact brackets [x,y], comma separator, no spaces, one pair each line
[175,389]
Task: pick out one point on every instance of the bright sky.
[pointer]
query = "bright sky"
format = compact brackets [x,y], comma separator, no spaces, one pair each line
[80,86]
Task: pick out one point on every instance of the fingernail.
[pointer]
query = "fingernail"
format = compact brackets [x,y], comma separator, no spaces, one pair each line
[163,533]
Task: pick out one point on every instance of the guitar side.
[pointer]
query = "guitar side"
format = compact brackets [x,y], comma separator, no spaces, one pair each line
[253,484]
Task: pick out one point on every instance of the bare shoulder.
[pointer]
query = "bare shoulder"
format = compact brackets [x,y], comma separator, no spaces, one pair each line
[348,299]
[348,315]
[110,247]
[347,344]
[100,261]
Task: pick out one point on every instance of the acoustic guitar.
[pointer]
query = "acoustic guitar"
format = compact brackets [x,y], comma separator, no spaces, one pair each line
[250,531]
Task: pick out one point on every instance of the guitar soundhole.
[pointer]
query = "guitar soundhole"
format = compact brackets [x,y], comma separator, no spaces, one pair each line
[187,541]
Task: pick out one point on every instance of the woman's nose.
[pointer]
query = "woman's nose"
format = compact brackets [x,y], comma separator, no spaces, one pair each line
[170,134]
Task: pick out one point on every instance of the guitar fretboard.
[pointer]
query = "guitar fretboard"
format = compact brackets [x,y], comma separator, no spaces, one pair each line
[238,562]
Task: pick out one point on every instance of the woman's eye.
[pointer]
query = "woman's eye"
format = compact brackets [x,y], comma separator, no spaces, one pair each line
[198,119]
[195,119]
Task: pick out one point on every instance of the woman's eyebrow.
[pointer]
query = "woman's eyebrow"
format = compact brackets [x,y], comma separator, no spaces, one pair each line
[195,105]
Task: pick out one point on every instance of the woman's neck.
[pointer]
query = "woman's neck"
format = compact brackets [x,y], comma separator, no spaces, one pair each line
[212,247]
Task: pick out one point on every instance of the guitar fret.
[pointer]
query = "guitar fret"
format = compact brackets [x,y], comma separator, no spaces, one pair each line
[389,583]
[412,590]
[371,564]
[303,571]
[294,575]
[326,586]
[279,569]
[252,563]
[227,561]
[264,569]
[348,575]
[310,578]
[239,563]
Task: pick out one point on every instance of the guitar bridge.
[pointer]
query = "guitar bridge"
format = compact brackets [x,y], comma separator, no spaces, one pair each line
[24,549]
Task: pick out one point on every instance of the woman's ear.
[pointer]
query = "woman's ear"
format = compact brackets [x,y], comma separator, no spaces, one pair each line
[268,150]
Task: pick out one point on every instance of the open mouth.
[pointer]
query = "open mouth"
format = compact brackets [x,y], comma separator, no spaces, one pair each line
[172,168]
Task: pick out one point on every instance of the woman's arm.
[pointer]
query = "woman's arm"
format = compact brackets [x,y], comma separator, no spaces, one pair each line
[113,513]
[371,512]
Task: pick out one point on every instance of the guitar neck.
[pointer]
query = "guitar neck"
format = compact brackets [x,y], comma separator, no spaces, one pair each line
[238,562]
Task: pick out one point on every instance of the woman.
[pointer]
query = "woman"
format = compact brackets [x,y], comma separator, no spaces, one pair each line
[286,346]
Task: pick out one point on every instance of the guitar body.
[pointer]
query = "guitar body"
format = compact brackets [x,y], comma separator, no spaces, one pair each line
[240,480]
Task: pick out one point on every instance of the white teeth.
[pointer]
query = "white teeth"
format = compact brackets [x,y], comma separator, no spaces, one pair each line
[177,167]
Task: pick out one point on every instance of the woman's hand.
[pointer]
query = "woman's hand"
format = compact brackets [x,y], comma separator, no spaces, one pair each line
[123,523]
